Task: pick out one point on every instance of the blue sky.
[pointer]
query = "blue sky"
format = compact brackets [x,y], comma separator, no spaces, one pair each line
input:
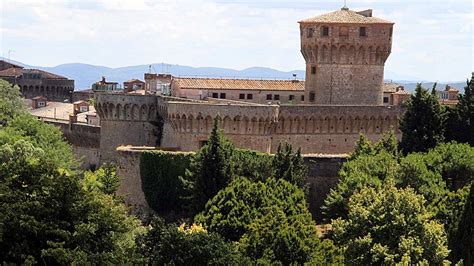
[433,40]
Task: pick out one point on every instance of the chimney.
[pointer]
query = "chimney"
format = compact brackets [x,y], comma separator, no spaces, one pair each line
[366,13]
[103,79]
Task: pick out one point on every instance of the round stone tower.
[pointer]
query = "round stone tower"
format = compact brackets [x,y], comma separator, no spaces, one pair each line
[345,53]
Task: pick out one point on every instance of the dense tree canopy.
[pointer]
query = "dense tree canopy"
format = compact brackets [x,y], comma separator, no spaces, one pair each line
[460,119]
[422,122]
[172,245]
[387,225]
[212,168]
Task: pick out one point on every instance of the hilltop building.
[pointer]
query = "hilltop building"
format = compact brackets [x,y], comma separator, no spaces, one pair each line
[343,95]
[104,85]
[35,82]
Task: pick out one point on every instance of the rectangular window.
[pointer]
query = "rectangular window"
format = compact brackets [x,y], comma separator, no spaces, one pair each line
[291,97]
[310,33]
[385,99]
[276,97]
[242,96]
[325,31]
[215,95]
[269,97]
[313,70]
[363,32]
[223,95]
[249,96]
[302,98]
[311,96]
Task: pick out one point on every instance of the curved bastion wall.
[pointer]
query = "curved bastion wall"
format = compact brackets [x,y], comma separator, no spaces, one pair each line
[150,120]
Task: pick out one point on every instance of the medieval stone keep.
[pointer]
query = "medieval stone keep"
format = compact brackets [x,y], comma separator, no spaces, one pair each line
[345,53]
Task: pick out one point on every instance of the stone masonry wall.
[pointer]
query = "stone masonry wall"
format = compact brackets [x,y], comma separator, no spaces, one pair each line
[322,176]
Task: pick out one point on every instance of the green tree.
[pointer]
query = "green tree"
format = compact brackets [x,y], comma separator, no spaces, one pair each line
[10,102]
[387,226]
[276,238]
[290,166]
[422,123]
[363,146]
[235,207]
[212,168]
[47,216]
[364,171]
[460,119]
[104,179]
[172,245]
[463,242]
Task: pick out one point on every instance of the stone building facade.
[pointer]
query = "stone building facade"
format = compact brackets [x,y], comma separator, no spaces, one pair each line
[345,53]
[35,82]
[341,98]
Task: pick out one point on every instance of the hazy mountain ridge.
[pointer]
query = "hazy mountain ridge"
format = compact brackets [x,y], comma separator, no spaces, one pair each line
[86,74]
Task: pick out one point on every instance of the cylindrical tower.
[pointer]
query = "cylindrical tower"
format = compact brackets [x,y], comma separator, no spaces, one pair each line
[345,53]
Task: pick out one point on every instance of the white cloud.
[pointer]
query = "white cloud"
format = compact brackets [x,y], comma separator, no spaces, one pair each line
[432,41]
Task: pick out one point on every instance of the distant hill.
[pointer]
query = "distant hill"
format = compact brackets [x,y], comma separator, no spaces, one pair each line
[85,74]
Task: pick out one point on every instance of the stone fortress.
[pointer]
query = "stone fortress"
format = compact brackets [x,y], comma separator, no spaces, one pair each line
[345,53]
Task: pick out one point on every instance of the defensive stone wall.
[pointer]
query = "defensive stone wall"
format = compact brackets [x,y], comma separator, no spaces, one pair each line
[322,176]
[84,139]
[126,119]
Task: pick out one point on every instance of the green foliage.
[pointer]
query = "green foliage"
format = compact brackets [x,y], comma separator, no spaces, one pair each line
[44,136]
[460,119]
[235,207]
[212,168]
[167,245]
[364,171]
[254,165]
[463,240]
[275,237]
[162,180]
[422,123]
[387,143]
[48,214]
[387,225]
[104,179]
[45,215]
[10,102]
[289,166]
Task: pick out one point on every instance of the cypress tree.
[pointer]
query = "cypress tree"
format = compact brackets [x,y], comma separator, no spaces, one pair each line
[289,166]
[460,119]
[212,167]
[464,247]
[422,123]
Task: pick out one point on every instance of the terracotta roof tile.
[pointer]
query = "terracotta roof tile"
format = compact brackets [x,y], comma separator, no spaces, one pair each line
[239,84]
[17,72]
[345,16]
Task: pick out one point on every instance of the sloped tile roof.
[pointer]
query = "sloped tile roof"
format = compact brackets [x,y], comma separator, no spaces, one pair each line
[239,84]
[345,16]
[17,72]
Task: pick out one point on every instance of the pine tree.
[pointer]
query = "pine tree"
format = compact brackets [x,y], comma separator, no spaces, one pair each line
[460,119]
[212,168]
[289,166]
[464,248]
[363,146]
[422,123]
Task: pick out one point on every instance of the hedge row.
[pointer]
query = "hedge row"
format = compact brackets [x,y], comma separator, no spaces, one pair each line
[160,173]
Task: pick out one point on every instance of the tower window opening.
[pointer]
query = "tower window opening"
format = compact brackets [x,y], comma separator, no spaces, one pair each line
[276,97]
[269,97]
[312,96]
[215,95]
[325,31]
[291,97]
[363,32]
[302,98]
[223,95]
[249,96]
[310,33]
[242,96]
[313,70]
